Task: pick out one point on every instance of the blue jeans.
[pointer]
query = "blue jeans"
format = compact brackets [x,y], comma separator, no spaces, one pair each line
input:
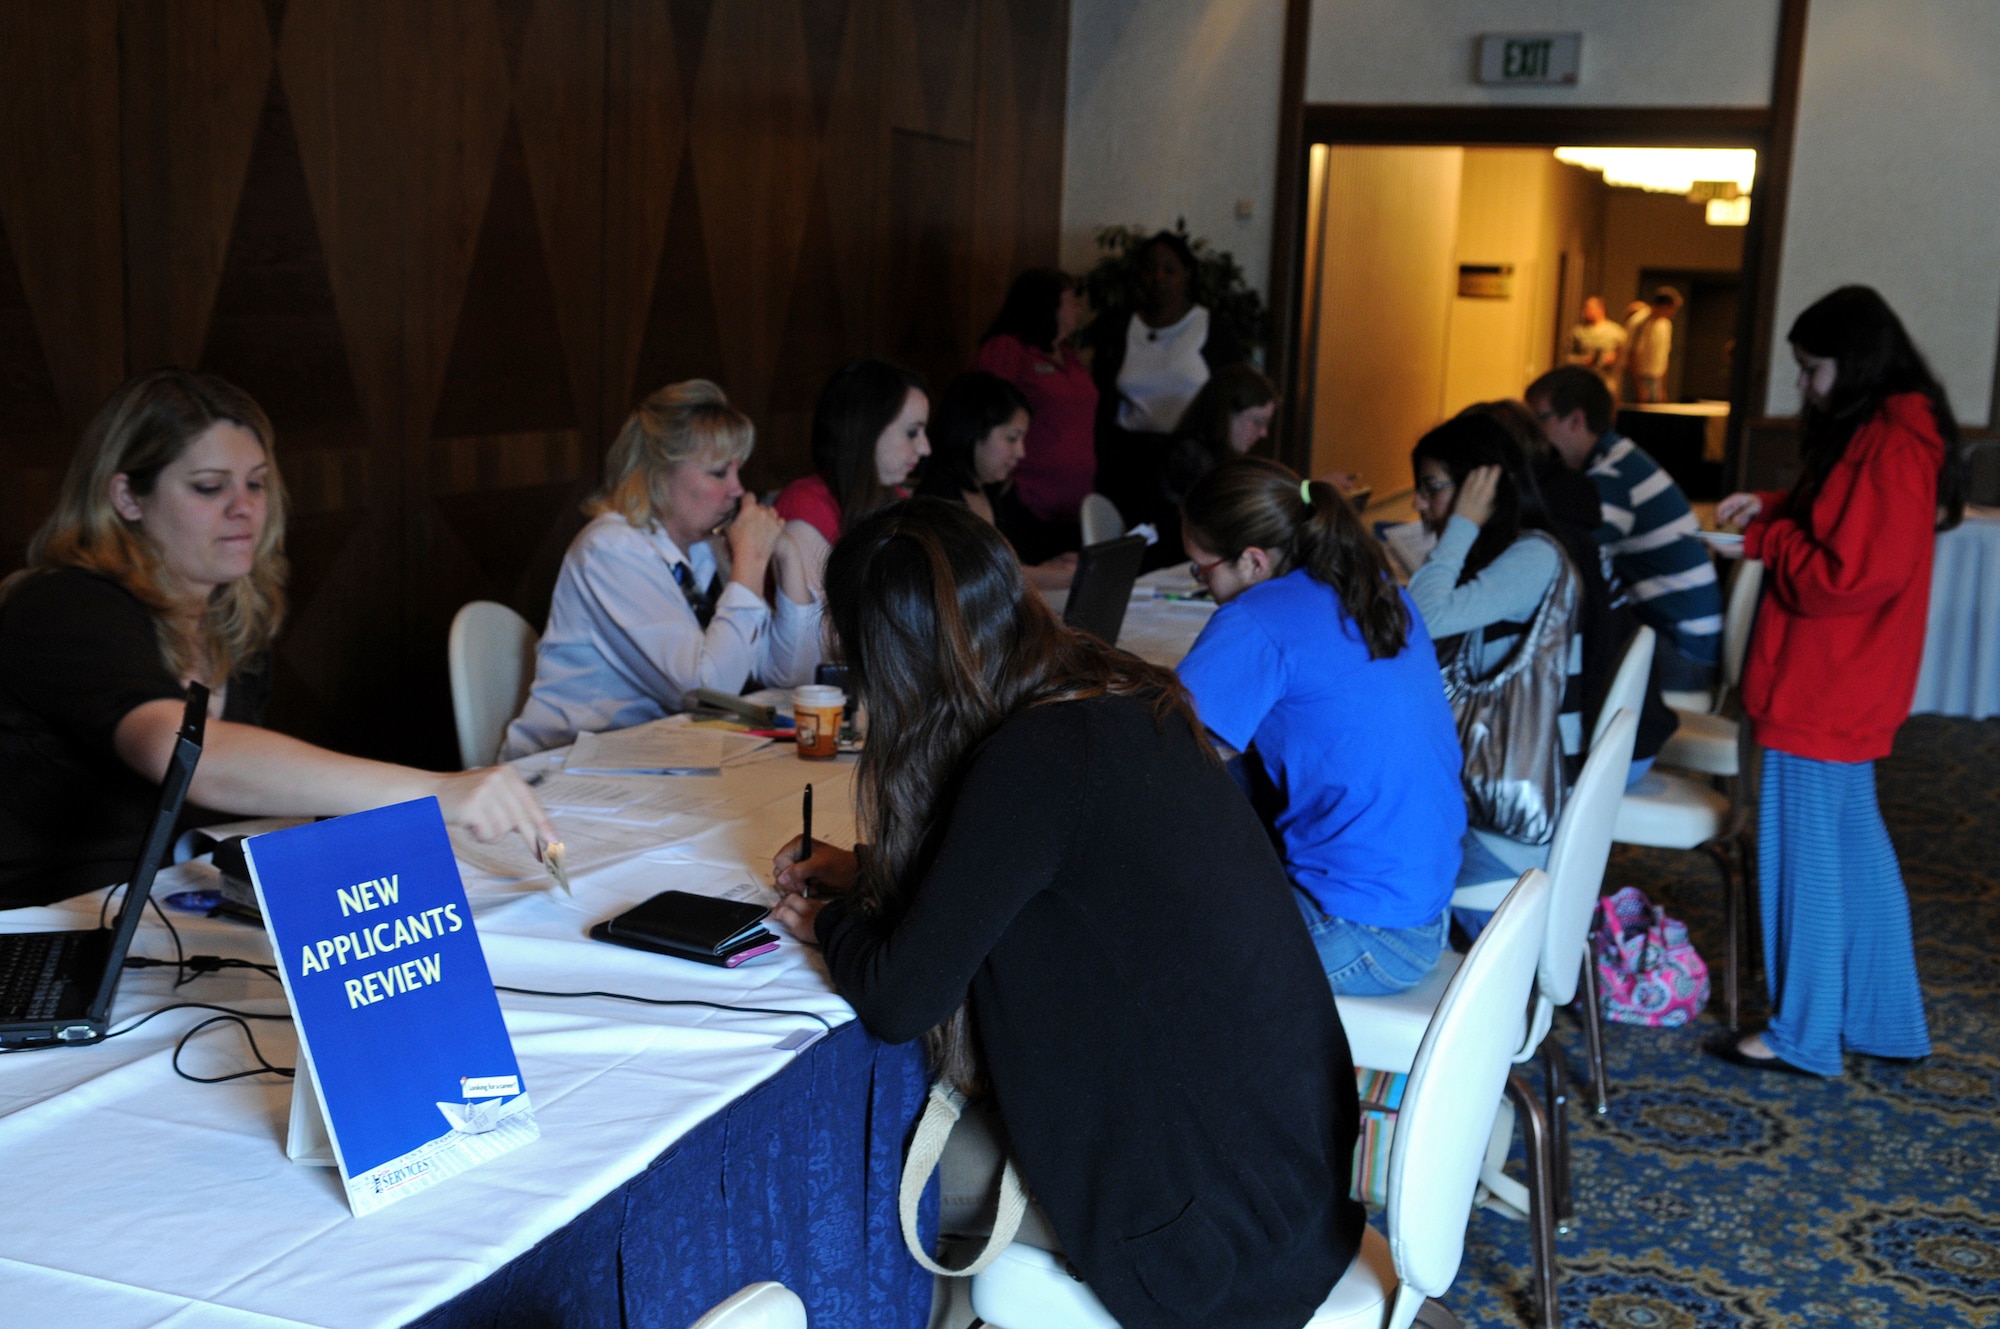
[1364,961]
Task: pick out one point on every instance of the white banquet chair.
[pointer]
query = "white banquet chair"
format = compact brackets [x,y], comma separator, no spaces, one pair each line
[1100,519]
[1709,740]
[1457,1074]
[1670,810]
[1383,1031]
[491,658]
[759,1306]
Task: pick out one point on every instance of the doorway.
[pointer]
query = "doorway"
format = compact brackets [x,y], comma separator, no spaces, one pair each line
[1441,267]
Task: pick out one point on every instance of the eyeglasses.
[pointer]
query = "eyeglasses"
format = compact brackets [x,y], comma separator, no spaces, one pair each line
[1200,571]
[1432,488]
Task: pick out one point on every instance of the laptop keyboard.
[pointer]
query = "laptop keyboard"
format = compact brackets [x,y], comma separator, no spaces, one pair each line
[32,965]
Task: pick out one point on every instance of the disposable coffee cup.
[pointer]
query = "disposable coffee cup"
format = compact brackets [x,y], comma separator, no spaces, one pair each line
[816,709]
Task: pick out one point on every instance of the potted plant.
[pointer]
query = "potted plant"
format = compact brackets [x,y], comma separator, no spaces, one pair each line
[1112,284]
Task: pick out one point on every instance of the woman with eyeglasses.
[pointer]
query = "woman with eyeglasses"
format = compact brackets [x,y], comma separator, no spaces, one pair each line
[1497,559]
[1831,672]
[1317,667]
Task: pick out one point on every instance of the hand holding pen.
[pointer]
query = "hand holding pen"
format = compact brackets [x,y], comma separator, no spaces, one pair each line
[806,867]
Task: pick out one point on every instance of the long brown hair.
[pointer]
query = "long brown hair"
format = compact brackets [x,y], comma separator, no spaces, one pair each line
[1874,360]
[944,640]
[861,400]
[148,422]
[1251,503]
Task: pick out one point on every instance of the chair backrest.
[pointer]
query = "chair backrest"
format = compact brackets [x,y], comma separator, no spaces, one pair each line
[1628,683]
[1101,519]
[759,1306]
[1982,461]
[1456,1080]
[491,657]
[1576,867]
[1738,616]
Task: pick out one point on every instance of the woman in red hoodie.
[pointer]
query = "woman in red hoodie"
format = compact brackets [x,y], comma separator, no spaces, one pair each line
[1832,668]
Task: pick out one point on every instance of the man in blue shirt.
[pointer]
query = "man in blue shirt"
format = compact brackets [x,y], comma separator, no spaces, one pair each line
[1648,531]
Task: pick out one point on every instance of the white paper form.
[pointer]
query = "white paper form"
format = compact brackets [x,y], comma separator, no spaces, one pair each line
[588,844]
[594,793]
[658,748]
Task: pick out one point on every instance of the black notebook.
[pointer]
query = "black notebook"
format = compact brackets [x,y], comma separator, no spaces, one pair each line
[694,927]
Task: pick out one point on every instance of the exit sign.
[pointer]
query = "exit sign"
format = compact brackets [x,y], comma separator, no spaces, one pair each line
[1530,57]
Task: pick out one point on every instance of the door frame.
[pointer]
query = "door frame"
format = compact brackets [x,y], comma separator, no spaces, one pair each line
[1768,129]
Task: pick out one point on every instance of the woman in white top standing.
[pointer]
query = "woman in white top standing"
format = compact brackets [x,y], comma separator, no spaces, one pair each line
[1149,366]
[650,604]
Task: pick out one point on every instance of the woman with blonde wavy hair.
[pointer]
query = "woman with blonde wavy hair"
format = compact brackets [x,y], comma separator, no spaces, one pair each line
[163,564]
[663,591]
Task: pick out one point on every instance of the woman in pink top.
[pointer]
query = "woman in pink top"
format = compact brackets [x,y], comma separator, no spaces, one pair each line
[1028,346]
[868,434]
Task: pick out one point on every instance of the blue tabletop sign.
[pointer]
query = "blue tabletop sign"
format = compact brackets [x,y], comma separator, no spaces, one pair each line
[398,1022]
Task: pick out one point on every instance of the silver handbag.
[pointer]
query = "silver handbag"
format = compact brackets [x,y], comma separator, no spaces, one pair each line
[1508,722]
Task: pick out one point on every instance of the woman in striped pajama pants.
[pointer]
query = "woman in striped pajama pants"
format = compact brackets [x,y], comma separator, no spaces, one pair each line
[1832,668]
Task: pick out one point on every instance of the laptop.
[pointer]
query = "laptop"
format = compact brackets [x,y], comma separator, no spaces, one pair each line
[1102,587]
[56,987]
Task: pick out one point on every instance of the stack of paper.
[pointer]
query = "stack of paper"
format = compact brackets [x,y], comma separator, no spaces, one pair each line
[663,747]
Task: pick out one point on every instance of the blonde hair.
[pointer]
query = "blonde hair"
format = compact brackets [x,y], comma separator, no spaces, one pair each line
[680,422]
[148,422]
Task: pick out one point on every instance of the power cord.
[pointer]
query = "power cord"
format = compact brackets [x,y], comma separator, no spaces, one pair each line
[824,1023]
[195,966]
[226,1015]
[241,1021]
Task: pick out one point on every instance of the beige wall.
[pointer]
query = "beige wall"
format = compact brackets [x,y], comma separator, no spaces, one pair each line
[1386,281]
[1643,230]
[1173,112]
[1896,181]
[1397,348]
[1635,52]
[1518,206]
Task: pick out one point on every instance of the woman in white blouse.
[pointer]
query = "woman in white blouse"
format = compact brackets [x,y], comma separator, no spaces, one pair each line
[1149,366]
[650,604]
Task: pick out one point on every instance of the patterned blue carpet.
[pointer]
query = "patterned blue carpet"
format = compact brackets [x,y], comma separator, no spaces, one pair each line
[1713,1197]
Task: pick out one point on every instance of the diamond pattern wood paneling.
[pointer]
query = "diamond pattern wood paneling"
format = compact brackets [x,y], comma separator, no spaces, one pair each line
[449,245]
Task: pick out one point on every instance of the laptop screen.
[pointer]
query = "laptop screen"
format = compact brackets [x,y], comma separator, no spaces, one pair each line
[173,795]
[1102,588]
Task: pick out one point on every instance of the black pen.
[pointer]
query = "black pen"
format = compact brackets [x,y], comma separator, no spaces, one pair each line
[806,840]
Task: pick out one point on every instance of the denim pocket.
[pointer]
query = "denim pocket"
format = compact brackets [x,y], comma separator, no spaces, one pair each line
[1364,976]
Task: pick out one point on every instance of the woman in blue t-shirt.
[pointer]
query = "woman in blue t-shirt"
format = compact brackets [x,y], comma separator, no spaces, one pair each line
[1319,669]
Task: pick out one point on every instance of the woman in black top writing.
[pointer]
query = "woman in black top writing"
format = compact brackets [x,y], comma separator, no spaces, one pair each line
[1065,895]
[163,564]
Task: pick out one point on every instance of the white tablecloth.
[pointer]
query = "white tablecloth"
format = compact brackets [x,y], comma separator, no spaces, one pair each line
[136,1198]
[1961,670]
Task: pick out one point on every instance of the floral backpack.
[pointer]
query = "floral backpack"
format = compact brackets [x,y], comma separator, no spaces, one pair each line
[1648,972]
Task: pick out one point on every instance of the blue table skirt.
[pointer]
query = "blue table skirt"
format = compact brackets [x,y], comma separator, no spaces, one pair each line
[794,1182]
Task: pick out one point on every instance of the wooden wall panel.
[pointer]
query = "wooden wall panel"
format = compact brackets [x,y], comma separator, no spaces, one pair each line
[449,245]
[59,189]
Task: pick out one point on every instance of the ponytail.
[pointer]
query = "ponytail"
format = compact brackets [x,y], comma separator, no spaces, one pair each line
[1253,503]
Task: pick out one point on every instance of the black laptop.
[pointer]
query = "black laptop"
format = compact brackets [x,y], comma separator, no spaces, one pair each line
[56,987]
[1102,587]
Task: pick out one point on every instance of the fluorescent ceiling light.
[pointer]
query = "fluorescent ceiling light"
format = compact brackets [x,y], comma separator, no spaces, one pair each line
[1666,170]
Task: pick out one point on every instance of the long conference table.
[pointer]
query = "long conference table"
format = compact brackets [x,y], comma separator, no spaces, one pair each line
[682,1155]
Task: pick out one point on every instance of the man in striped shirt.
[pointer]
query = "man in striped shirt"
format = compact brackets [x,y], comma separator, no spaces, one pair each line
[1648,531]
